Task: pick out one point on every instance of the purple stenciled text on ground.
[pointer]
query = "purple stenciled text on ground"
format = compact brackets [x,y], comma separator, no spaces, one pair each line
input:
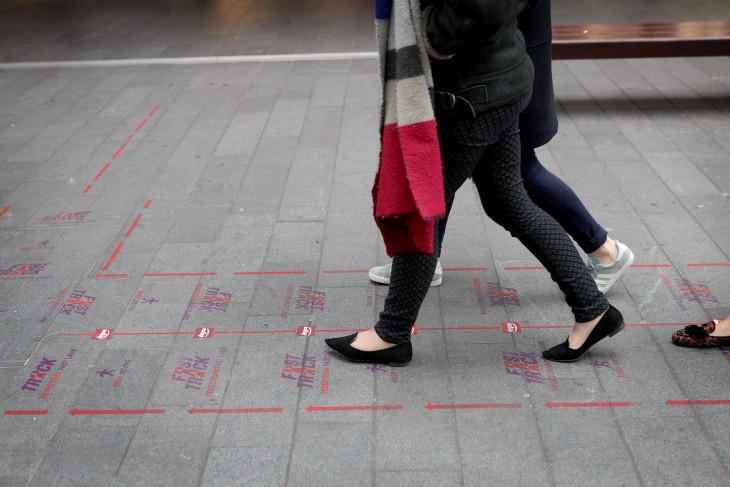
[325,385]
[65,217]
[216,372]
[695,292]
[192,302]
[24,271]
[309,299]
[614,364]
[300,370]
[215,300]
[191,371]
[725,351]
[376,368]
[287,300]
[56,303]
[43,245]
[78,303]
[373,296]
[502,296]
[549,368]
[524,364]
[41,374]
[480,296]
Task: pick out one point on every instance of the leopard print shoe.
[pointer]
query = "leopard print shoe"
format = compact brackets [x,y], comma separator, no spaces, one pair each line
[698,336]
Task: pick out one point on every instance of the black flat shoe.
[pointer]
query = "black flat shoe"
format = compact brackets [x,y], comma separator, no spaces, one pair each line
[611,323]
[397,356]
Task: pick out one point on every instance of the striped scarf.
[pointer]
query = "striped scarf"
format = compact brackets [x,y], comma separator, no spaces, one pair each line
[408,194]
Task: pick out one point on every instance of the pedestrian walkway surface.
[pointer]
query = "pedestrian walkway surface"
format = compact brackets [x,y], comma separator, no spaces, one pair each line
[178,238]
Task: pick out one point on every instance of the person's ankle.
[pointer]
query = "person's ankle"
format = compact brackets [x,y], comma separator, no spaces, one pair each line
[606,253]
[369,341]
[722,329]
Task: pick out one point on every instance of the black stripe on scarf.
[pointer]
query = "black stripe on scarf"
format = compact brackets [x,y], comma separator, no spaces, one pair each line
[403,63]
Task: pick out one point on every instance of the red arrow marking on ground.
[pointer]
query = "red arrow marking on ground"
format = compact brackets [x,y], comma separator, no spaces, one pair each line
[88,188]
[464,269]
[134,225]
[650,265]
[716,264]
[75,412]
[119,151]
[112,275]
[462,328]
[268,273]
[312,409]
[590,404]
[147,205]
[26,412]
[234,411]
[698,402]
[5,210]
[431,407]
[180,274]
[345,271]
[113,256]
[103,170]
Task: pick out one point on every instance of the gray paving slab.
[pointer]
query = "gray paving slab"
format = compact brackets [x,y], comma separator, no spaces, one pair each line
[651,443]
[67,460]
[258,465]
[243,209]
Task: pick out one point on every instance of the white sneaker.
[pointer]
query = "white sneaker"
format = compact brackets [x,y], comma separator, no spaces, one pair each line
[381,274]
[606,275]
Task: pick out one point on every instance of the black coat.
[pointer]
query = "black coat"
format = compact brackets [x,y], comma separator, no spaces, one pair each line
[479,51]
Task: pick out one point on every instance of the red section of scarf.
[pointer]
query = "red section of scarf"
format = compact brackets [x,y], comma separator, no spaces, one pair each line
[409,191]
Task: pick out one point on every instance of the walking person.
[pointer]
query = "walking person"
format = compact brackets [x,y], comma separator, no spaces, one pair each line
[608,259]
[483,80]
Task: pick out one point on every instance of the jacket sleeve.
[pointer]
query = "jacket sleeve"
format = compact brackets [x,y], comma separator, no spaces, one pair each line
[453,26]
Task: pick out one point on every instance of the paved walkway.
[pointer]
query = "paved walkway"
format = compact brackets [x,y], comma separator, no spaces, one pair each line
[178,238]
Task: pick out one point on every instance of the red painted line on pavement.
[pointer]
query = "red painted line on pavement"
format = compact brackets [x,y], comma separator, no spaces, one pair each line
[130,137]
[461,328]
[119,151]
[112,275]
[88,188]
[5,210]
[252,332]
[113,256]
[154,110]
[75,412]
[268,273]
[235,411]
[180,274]
[139,127]
[312,409]
[464,269]
[431,407]
[715,264]
[345,271]
[134,225]
[341,331]
[147,205]
[26,412]
[697,402]
[103,170]
[132,333]
[681,325]
[74,334]
[650,265]
[545,327]
[590,404]
[525,268]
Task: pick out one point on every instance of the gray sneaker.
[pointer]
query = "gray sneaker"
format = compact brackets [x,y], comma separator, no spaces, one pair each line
[381,274]
[606,275]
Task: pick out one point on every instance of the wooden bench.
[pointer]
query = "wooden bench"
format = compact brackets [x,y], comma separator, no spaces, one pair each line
[604,41]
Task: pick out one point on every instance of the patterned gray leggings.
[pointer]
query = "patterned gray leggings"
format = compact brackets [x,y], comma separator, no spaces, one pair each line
[487,149]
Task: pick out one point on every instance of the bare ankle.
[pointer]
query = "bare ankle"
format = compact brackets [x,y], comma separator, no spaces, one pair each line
[606,253]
